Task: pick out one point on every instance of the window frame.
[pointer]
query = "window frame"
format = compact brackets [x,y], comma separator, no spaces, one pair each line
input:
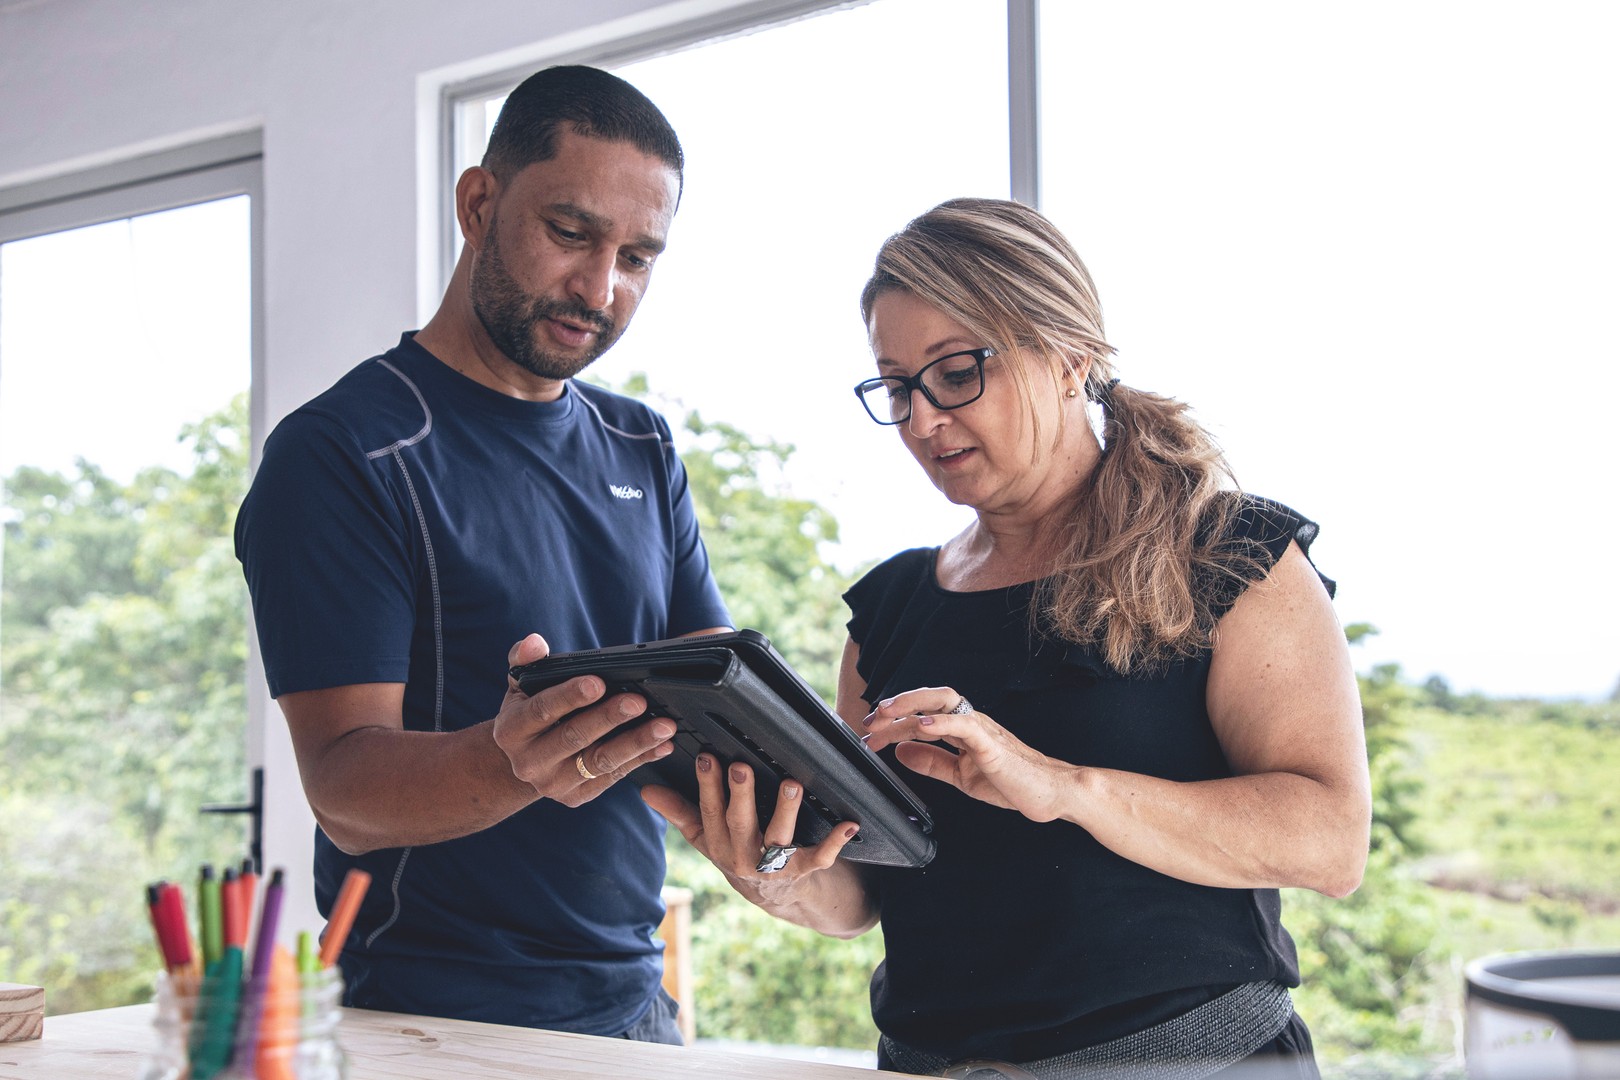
[455,101]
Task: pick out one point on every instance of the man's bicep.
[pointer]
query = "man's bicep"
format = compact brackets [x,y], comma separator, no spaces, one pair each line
[318,720]
[328,563]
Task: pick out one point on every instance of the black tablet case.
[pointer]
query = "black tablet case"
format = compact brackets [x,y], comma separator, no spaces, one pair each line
[735,696]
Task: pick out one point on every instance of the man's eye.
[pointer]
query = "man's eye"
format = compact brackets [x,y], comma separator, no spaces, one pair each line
[637,262]
[567,235]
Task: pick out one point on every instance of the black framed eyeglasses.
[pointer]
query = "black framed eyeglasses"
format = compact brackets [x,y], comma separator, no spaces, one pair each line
[948,383]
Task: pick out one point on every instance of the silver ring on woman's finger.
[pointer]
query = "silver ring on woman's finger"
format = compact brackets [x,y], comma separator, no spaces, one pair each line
[962,707]
[579,763]
[774,857]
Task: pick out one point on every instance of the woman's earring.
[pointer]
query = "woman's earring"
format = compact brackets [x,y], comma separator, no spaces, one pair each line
[1070,392]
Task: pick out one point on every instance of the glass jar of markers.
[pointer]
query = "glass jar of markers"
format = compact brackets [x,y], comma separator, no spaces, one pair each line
[225,1028]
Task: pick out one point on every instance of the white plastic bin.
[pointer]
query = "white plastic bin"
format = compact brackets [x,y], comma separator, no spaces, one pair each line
[1544,1016]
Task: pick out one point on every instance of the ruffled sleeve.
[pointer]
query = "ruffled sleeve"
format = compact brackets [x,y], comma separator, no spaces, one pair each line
[1256,535]
[885,590]
[886,607]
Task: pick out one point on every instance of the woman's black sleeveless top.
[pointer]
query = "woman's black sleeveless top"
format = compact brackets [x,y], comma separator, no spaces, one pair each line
[1021,940]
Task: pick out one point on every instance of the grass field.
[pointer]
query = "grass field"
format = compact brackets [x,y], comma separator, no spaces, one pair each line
[1515,813]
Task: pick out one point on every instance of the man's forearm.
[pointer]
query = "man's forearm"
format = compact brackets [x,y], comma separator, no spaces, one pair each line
[380,787]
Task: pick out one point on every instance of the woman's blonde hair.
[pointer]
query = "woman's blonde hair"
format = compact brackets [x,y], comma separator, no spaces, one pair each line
[1142,562]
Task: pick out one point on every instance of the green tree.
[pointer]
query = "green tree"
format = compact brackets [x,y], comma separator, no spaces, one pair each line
[122,705]
[1366,959]
[766,545]
[758,978]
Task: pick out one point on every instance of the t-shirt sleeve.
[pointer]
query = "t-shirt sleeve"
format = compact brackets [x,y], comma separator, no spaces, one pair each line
[328,562]
[695,602]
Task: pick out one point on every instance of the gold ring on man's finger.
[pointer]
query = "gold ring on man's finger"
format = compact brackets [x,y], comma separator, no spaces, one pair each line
[579,763]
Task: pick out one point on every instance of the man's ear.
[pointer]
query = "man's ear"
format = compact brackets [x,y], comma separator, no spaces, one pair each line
[476,193]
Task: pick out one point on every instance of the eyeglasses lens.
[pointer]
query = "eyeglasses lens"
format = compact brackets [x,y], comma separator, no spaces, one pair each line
[949,383]
[953,381]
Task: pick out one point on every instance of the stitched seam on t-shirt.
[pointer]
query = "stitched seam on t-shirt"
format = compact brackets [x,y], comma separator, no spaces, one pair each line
[433,588]
[600,419]
[399,872]
[427,413]
[438,669]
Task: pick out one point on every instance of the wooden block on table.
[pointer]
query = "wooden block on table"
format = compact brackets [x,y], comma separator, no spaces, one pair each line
[22,1012]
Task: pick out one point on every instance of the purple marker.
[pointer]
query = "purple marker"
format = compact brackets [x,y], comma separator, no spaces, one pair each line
[247,1031]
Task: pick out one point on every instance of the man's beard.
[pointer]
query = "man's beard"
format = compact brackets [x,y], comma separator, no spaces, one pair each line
[510,318]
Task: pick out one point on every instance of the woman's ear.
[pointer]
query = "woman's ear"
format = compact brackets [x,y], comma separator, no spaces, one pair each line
[1077,369]
[476,193]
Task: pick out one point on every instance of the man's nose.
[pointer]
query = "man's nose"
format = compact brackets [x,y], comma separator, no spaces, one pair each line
[595,280]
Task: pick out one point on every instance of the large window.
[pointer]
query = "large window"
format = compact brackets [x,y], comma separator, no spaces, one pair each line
[1367,247]
[126,352]
[1373,247]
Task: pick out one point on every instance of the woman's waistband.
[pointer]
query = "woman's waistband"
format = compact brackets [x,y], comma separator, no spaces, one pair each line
[1199,1042]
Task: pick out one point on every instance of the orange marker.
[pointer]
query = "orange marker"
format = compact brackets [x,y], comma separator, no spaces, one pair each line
[233,920]
[249,886]
[355,884]
[278,1026]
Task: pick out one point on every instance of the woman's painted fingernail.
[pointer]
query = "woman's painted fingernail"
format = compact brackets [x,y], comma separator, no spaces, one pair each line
[790,791]
[739,775]
[925,721]
[705,763]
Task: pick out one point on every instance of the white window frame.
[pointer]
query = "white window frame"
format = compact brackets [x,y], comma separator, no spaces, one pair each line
[450,103]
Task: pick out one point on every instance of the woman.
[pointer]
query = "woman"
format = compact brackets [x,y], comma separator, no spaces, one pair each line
[1122,691]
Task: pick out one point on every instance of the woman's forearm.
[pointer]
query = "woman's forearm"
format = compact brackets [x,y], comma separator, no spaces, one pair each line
[1268,830]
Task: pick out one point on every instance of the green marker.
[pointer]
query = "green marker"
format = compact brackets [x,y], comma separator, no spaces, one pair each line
[213,1033]
[213,928]
[309,969]
[309,961]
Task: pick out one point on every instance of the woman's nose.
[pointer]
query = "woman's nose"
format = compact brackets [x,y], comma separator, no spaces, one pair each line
[925,415]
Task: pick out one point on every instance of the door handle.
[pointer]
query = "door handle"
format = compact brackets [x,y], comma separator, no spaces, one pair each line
[255,812]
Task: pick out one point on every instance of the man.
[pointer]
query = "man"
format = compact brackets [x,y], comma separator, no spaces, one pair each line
[443,500]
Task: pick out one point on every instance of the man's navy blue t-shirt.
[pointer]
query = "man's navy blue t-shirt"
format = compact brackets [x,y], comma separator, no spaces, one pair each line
[409,525]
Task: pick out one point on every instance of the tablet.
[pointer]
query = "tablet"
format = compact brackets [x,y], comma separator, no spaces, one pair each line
[734,696]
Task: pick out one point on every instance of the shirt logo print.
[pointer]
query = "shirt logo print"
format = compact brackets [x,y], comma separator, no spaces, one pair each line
[625,491]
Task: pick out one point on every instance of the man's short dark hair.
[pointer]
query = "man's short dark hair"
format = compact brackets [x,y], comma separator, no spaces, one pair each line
[591,101]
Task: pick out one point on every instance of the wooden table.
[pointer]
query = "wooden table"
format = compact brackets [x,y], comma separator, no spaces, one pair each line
[111,1044]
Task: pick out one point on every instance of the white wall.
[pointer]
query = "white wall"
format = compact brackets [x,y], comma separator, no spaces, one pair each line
[336,90]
